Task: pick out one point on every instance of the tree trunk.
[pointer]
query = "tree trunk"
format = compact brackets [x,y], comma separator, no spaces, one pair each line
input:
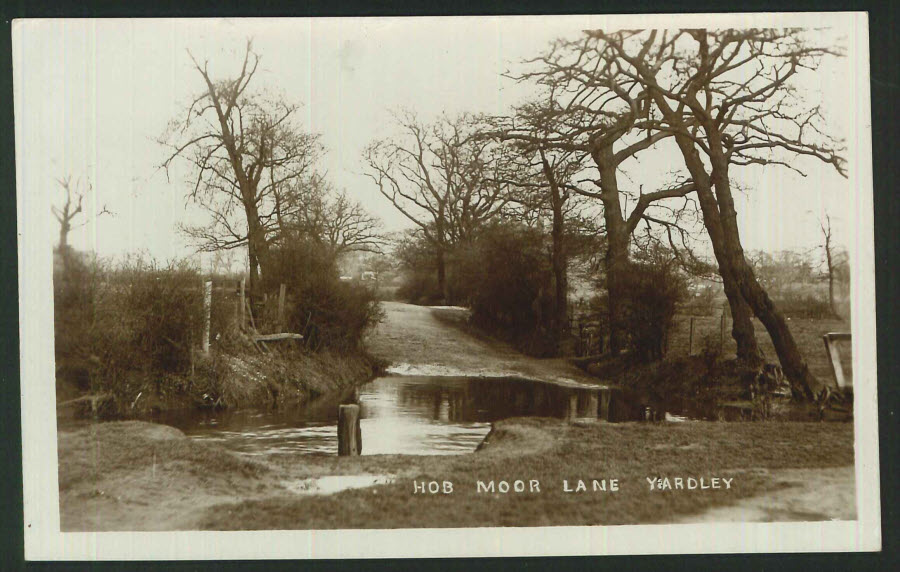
[63,235]
[618,241]
[742,327]
[616,266]
[792,362]
[257,246]
[559,262]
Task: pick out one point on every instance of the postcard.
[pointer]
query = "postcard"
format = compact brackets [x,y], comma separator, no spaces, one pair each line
[446,286]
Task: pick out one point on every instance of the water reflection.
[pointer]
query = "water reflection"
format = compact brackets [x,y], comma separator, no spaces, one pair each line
[404,415]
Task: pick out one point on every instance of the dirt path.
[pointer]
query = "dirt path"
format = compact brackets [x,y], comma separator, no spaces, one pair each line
[415,342]
[809,495]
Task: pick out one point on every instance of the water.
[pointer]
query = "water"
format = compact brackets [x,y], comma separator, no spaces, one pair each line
[399,415]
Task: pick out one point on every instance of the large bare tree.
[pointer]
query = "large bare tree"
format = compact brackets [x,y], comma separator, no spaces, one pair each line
[590,109]
[729,99]
[320,213]
[244,148]
[441,178]
[540,181]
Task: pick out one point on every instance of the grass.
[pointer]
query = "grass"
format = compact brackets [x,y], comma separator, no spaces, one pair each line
[550,451]
[103,449]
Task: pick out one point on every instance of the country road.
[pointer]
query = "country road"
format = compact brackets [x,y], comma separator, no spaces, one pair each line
[416,342]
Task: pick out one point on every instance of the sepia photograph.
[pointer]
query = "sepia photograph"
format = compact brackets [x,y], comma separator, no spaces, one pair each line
[446,286]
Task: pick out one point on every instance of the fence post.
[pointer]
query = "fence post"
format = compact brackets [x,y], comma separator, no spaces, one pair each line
[243,319]
[722,331]
[349,433]
[691,339]
[207,311]
[281,293]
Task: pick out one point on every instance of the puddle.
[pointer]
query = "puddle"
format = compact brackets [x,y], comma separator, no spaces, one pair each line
[336,483]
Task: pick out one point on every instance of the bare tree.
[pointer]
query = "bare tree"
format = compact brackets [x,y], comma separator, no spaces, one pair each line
[70,209]
[440,178]
[540,182]
[590,109]
[244,149]
[332,219]
[728,98]
[835,262]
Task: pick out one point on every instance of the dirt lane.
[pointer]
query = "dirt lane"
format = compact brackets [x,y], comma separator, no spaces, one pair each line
[809,495]
[415,342]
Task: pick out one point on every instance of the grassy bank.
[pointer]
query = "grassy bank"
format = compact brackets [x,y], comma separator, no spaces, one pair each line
[227,379]
[176,483]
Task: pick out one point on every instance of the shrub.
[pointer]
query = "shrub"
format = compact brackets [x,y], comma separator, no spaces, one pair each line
[799,305]
[328,312]
[121,328]
[510,283]
[654,286]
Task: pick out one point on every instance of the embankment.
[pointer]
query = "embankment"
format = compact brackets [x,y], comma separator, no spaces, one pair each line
[225,379]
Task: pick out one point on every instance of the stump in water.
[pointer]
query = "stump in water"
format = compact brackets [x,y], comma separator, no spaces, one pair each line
[349,431]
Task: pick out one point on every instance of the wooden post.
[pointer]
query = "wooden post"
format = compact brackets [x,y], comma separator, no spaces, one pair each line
[243,319]
[207,311]
[691,339]
[281,293]
[349,432]
[722,331]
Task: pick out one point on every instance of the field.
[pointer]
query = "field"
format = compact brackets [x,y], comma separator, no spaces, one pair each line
[807,333]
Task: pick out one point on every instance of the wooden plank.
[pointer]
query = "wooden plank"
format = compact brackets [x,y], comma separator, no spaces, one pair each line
[834,356]
[277,337]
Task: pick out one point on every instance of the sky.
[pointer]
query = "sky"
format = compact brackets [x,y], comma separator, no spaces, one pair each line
[93,96]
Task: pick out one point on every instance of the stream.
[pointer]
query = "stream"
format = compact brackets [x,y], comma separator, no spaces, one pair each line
[399,415]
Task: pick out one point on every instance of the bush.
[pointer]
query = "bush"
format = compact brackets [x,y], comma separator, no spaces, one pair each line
[121,328]
[419,287]
[798,305]
[654,285]
[510,283]
[328,312]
